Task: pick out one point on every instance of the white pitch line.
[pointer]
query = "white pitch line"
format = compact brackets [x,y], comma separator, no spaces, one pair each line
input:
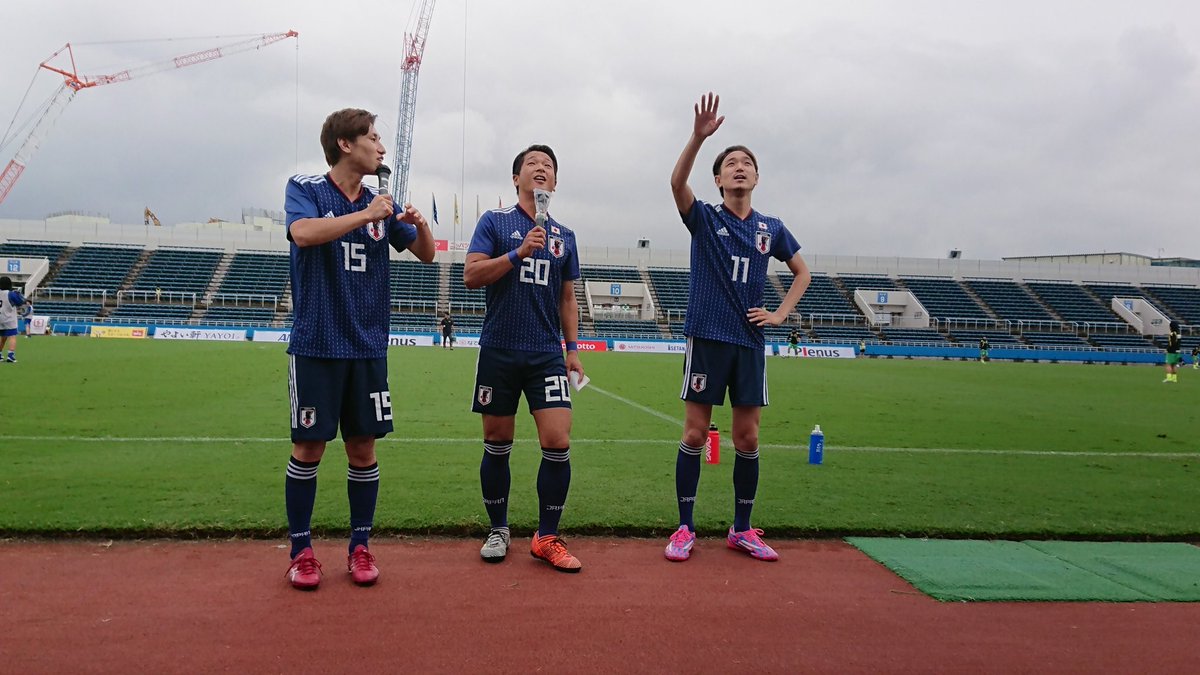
[639,406]
[625,441]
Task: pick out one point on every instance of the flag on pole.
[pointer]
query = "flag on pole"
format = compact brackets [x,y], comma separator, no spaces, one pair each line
[456,221]
[434,208]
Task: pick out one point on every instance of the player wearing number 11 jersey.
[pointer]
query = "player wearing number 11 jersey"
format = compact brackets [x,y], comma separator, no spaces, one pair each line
[731,245]
[340,230]
[527,260]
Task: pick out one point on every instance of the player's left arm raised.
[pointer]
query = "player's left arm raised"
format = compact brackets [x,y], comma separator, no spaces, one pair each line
[568,316]
[423,246]
[761,317]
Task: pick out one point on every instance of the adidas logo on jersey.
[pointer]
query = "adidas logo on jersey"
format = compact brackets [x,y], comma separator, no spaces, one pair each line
[722,232]
[329,214]
[515,235]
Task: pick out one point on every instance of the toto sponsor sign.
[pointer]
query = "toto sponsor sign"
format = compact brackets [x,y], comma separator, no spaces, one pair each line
[591,345]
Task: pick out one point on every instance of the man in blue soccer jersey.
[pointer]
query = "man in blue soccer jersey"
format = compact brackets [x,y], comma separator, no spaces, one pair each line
[12,303]
[528,262]
[731,244]
[340,231]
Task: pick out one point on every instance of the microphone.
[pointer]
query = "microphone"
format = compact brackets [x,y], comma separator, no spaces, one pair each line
[541,201]
[384,174]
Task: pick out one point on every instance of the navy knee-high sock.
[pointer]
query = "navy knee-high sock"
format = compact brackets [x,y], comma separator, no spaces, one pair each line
[745,485]
[553,481]
[362,489]
[495,479]
[300,492]
[687,481]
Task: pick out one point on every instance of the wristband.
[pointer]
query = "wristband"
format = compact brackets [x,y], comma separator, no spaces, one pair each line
[513,257]
[572,346]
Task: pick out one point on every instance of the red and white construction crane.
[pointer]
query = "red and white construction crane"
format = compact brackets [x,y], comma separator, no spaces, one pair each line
[414,50]
[73,83]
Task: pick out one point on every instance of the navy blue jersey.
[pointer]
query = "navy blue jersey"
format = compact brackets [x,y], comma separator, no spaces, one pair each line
[729,270]
[340,289]
[522,306]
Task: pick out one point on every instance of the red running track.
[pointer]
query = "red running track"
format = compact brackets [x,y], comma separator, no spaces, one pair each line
[210,606]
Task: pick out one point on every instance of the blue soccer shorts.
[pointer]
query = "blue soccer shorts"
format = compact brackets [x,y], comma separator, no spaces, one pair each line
[709,367]
[328,393]
[502,375]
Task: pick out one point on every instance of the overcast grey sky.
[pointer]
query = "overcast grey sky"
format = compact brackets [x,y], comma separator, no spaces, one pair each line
[881,128]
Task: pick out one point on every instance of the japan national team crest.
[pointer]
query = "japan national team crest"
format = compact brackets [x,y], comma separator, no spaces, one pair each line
[699,382]
[762,242]
[484,396]
[375,229]
[308,417]
[557,247]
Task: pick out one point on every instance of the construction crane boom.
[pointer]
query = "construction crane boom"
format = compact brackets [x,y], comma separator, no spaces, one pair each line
[73,83]
[414,50]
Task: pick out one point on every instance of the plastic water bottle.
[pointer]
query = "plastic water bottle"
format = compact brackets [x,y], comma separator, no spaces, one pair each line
[816,446]
[712,445]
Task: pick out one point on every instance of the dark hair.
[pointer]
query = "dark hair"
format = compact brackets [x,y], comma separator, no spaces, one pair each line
[725,153]
[5,284]
[347,124]
[534,148]
[1174,325]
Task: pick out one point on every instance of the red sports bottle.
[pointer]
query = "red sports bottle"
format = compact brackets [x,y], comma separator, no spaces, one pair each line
[712,445]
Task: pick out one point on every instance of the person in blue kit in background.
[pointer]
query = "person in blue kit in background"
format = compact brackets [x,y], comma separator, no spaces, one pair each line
[340,230]
[731,246]
[528,261]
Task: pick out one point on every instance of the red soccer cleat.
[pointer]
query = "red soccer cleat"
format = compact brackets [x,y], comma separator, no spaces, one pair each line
[304,572]
[361,564]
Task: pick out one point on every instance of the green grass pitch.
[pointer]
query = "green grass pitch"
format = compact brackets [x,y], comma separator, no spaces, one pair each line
[142,438]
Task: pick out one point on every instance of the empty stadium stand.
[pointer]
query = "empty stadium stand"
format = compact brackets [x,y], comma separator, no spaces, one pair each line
[627,329]
[944,298]
[1008,300]
[608,273]
[913,335]
[239,316]
[1181,303]
[97,266]
[995,338]
[414,285]
[671,287]
[151,312]
[256,273]
[179,270]
[59,309]
[463,299]
[1072,302]
[16,248]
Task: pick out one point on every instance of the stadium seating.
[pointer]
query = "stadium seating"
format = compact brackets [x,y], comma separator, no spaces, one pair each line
[414,285]
[671,287]
[240,316]
[822,297]
[463,299]
[15,248]
[151,312]
[414,322]
[1072,302]
[869,282]
[466,323]
[1181,303]
[1050,339]
[257,273]
[608,273]
[913,335]
[178,269]
[58,309]
[944,298]
[1008,300]
[995,338]
[1120,340]
[98,267]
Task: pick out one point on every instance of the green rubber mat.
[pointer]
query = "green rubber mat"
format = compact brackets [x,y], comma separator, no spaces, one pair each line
[973,570]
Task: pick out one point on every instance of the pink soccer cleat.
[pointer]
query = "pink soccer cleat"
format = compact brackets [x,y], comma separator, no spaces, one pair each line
[305,572]
[361,564]
[679,548]
[751,542]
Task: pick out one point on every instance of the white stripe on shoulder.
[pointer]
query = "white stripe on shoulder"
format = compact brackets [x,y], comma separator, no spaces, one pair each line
[306,178]
[507,209]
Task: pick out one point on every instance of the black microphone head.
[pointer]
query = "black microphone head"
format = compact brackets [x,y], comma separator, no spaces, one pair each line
[384,174]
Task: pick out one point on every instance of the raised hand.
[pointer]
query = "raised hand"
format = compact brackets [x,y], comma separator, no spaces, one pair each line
[707,122]
[412,216]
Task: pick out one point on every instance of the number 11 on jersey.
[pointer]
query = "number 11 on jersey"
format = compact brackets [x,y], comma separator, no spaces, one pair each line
[743,264]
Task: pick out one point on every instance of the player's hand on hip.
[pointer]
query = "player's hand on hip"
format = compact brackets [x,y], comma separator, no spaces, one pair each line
[707,122]
[761,317]
[380,208]
[534,241]
[412,216]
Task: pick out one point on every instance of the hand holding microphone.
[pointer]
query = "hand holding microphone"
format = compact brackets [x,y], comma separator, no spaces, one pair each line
[536,239]
[381,206]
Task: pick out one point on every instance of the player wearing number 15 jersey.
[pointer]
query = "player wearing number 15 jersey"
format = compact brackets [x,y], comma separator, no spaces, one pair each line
[529,263]
[340,230]
[731,244]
